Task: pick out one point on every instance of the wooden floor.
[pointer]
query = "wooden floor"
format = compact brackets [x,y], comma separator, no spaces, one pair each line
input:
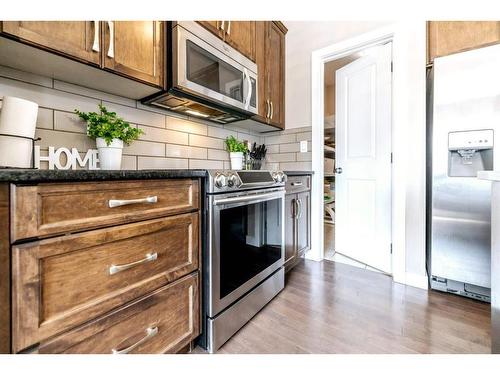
[328,307]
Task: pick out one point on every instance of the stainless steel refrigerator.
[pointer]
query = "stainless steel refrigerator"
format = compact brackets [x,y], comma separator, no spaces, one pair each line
[464,126]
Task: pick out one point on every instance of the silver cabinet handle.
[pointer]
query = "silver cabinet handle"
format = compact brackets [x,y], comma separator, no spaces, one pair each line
[297,183]
[299,206]
[222,25]
[272,110]
[228,27]
[122,267]
[123,202]
[111,48]
[95,45]
[268,106]
[150,333]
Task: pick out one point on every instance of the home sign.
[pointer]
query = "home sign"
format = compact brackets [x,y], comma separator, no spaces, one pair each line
[71,160]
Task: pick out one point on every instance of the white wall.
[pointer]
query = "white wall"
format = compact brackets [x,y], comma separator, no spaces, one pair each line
[302,38]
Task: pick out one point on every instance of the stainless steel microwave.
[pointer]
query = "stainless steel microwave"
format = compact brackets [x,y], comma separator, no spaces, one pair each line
[206,77]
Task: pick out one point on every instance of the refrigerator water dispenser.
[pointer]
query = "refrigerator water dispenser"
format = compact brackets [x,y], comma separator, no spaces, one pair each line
[470,152]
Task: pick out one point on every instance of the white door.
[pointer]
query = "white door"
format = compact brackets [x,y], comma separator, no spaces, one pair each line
[363,159]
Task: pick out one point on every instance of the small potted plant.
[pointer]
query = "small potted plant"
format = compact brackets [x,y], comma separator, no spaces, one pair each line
[110,133]
[236,151]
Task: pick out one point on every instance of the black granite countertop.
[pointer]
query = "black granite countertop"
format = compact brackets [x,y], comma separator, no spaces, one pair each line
[39,175]
[298,173]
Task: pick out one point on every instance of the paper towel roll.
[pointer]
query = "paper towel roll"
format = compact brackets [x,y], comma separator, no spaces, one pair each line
[18,117]
[15,152]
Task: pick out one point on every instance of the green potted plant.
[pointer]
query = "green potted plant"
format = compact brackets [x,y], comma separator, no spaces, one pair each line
[236,151]
[110,133]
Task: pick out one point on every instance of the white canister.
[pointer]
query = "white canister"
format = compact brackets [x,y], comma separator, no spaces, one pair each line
[236,160]
[15,152]
[18,117]
[110,157]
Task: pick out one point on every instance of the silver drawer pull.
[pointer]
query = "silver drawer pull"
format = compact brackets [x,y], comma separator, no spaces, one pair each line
[150,333]
[123,202]
[299,183]
[122,267]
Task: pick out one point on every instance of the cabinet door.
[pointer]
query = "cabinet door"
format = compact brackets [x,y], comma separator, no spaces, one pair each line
[135,49]
[213,26]
[275,54]
[447,37]
[241,36]
[78,39]
[303,222]
[290,205]
[260,59]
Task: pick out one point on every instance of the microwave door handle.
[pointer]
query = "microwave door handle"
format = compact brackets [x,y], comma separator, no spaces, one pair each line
[249,87]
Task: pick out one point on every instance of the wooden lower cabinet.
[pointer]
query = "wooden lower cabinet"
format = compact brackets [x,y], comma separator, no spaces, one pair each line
[77,39]
[125,283]
[297,219]
[448,37]
[161,322]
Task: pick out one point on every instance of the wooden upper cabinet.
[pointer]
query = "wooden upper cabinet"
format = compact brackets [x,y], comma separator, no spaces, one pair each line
[270,57]
[447,37]
[238,34]
[275,53]
[78,39]
[134,49]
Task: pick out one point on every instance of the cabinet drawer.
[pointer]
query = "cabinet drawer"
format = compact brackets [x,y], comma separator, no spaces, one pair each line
[49,209]
[162,322]
[63,282]
[298,183]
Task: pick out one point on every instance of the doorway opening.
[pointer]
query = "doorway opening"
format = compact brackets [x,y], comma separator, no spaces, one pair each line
[357,147]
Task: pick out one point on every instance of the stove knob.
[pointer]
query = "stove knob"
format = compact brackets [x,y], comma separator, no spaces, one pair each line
[220,180]
[282,176]
[233,181]
[275,176]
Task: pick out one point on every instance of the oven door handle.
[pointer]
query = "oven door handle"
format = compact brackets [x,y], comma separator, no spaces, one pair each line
[249,198]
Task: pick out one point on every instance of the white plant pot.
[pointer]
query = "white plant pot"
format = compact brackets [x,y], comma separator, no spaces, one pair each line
[110,157]
[236,160]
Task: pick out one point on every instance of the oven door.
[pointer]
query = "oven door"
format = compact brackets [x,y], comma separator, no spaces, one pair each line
[246,243]
[208,67]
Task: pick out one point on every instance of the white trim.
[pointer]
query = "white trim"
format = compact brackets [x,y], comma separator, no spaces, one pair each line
[398,34]
[417,281]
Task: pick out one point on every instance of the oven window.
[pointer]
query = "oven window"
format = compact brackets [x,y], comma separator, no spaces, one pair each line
[211,72]
[250,242]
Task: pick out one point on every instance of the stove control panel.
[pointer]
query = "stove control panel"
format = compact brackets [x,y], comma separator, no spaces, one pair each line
[230,180]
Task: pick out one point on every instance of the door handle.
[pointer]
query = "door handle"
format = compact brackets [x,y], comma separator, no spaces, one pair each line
[95,45]
[299,206]
[338,170]
[111,48]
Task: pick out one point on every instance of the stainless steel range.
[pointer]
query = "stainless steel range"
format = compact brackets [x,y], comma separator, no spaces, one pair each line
[245,251]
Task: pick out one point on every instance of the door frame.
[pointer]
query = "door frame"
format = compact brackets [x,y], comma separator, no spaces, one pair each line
[395,34]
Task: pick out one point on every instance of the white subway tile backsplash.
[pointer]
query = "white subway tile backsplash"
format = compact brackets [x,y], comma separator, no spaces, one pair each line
[144,162]
[304,136]
[277,158]
[208,142]
[296,166]
[272,149]
[289,147]
[84,91]
[279,139]
[63,139]
[45,119]
[137,116]
[69,122]
[218,154]
[129,162]
[163,135]
[19,75]
[145,149]
[205,164]
[178,124]
[188,152]
[47,97]
[304,156]
[221,133]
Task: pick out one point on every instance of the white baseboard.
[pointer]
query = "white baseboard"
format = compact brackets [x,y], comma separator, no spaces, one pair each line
[418,281]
